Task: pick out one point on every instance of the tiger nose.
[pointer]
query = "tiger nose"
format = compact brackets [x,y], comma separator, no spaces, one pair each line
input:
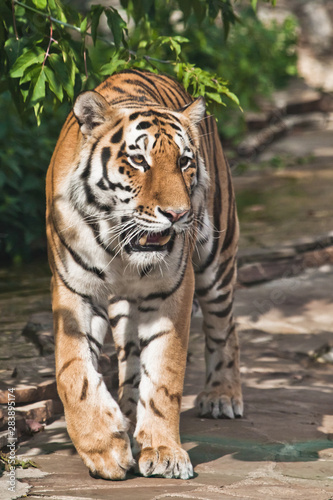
[174,216]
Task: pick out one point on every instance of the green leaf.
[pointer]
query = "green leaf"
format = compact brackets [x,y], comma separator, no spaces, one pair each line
[95,14]
[60,69]
[214,96]
[112,66]
[40,4]
[180,39]
[232,96]
[83,26]
[116,24]
[38,92]
[175,46]
[254,4]
[28,58]
[14,48]
[54,83]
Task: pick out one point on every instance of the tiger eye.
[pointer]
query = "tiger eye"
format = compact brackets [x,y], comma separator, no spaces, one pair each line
[138,159]
[183,161]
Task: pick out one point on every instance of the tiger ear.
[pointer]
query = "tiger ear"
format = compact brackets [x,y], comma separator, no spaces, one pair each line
[195,111]
[90,110]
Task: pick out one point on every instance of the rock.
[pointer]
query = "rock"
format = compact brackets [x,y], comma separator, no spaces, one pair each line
[297,98]
[29,394]
[42,411]
[257,120]
[255,142]
[285,262]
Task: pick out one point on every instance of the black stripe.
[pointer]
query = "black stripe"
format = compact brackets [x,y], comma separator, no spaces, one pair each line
[141,85]
[143,309]
[66,365]
[100,312]
[222,267]
[95,229]
[128,381]
[143,125]
[224,313]
[217,340]
[177,90]
[227,279]
[114,321]
[216,212]
[94,341]
[229,236]
[119,90]
[92,350]
[140,137]
[86,297]
[144,370]
[165,294]
[84,389]
[219,298]
[116,299]
[117,136]
[155,93]
[76,257]
[220,341]
[155,410]
[145,342]
[86,172]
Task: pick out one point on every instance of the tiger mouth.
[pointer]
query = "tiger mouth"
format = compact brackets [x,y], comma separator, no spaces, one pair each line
[151,242]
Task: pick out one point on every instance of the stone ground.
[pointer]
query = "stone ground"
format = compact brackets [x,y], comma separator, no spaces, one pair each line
[281,449]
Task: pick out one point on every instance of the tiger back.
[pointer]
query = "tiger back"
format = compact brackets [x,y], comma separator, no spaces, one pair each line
[140,217]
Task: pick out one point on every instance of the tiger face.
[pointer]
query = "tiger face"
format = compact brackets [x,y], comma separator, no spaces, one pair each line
[140,173]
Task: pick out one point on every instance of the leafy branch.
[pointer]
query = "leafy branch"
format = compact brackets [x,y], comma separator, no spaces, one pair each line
[49,51]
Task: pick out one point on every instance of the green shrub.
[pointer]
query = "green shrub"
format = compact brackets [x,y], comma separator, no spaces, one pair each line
[25,152]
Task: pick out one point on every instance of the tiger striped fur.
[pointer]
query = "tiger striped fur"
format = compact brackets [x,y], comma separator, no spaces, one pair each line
[140,213]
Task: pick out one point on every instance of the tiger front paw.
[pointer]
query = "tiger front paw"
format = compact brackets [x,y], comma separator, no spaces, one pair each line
[217,403]
[165,461]
[111,462]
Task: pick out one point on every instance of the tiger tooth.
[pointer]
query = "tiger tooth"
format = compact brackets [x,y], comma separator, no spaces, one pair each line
[143,240]
[164,239]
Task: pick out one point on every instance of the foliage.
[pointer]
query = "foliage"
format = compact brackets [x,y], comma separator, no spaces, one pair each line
[256,59]
[40,55]
[24,155]
[49,52]
[7,463]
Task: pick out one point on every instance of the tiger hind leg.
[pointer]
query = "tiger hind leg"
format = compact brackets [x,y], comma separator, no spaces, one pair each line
[222,395]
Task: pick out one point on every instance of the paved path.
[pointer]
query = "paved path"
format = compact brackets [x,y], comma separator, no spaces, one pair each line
[282,449]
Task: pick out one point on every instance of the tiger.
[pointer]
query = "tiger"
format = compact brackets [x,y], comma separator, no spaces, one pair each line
[140,219]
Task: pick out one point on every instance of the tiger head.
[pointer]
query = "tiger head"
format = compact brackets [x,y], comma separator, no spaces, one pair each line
[140,172]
